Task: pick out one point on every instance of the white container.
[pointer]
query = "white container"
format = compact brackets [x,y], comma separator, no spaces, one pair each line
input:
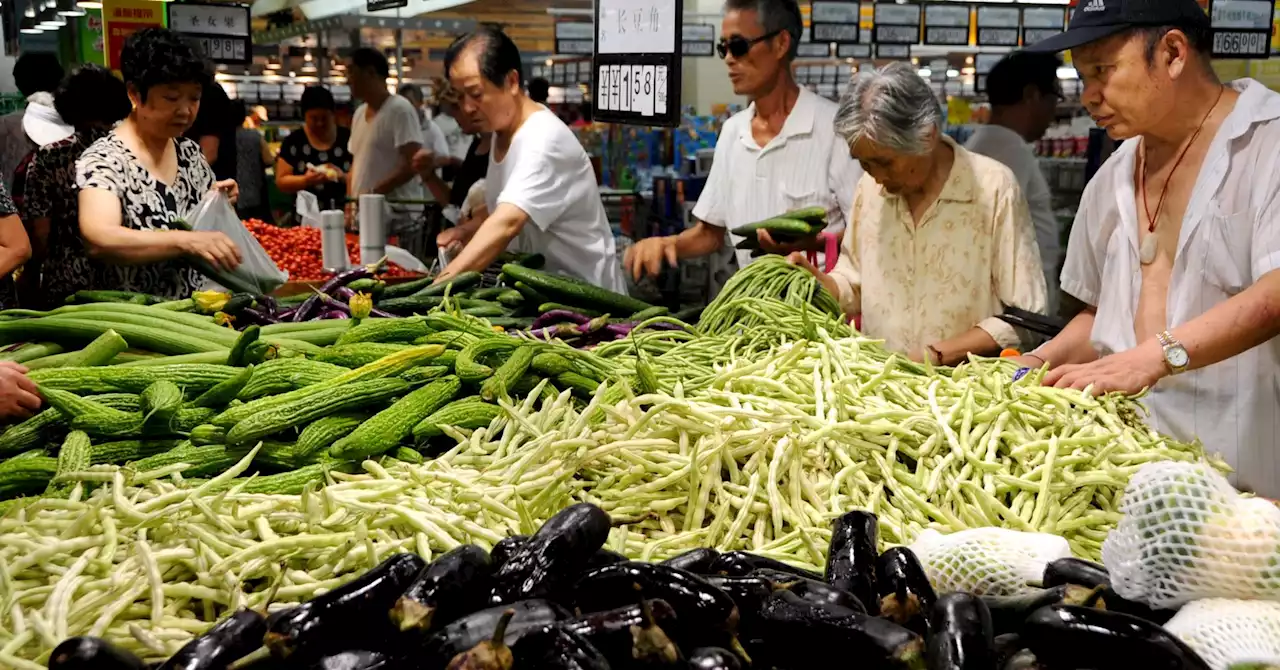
[333,240]
[373,228]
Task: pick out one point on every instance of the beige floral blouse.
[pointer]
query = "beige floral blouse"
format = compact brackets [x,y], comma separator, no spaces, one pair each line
[973,252]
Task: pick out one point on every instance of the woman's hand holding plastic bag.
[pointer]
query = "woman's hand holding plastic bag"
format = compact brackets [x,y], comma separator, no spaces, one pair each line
[226,251]
[215,248]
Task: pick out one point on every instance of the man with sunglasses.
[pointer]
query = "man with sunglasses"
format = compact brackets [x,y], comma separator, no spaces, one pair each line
[777,155]
[1024,91]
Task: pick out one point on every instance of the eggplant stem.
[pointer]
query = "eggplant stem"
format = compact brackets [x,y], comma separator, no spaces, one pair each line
[500,631]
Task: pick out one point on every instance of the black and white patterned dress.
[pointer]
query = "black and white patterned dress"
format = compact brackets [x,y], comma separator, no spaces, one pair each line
[147,204]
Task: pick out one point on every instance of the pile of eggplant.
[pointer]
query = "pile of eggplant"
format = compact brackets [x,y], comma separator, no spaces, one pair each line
[557,600]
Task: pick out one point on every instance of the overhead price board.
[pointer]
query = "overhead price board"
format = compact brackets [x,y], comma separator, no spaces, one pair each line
[220,31]
[838,22]
[946,24]
[574,38]
[896,24]
[698,39]
[999,26]
[893,51]
[636,63]
[982,65]
[1041,23]
[1241,28]
[853,51]
[810,49]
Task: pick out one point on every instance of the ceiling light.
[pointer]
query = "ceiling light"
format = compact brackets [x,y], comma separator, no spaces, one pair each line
[953,73]
[89,4]
[272,65]
[925,72]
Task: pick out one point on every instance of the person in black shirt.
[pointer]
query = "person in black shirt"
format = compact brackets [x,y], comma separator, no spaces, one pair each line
[476,163]
[215,130]
[317,159]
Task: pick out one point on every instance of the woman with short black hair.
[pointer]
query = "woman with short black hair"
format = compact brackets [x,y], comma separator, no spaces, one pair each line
[316,160]
[138,182]
[93,101]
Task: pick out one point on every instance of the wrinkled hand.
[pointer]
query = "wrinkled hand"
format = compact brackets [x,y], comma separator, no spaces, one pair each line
[229,188]
[766,241]
[19,397]
[799,259]
[424,161]
[645,258]
[1129,372]
[451,238]
[214,247]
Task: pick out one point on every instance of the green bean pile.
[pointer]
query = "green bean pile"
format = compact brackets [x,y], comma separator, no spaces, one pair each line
[792,292]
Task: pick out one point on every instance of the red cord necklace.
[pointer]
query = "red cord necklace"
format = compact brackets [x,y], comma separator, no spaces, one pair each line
[1150,245]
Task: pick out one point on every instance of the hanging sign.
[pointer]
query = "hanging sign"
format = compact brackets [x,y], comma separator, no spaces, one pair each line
[982,64]
[574,37]
[810,49]
[999,26]
[637,62]
[698,39]
[853,51]
[1041,23]
[122,18]
[946,24]
[380,5]
[839,22]
[896,24]
[893,51]
[1241,28]
[220,31]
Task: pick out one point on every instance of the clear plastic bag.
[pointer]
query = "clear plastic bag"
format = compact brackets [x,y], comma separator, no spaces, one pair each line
[1187,534]
[987,561]
[257,273]
[1227,632]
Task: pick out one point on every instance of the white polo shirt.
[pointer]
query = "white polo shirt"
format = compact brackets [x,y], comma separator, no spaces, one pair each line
[1230,238]
[806,165]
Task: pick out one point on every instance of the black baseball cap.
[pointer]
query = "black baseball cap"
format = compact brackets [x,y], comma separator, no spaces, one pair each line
[1097,19]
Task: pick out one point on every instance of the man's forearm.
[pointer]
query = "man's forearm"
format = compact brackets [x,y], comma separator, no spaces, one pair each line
[1245,321]
[437,187]
[1072,346]
[975,341]
[701,240]
[490,240]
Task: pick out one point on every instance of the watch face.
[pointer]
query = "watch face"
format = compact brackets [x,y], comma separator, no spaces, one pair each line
[1177,357]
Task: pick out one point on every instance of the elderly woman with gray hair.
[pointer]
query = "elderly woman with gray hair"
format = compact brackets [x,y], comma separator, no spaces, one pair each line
[940,239]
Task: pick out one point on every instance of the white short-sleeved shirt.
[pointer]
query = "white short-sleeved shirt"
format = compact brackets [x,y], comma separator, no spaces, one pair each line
[1230,238]
[806,165]
[1009,148]
[375,146]
[547,174]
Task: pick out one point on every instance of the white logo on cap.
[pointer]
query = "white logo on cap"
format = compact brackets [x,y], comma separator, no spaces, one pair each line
[1095,6]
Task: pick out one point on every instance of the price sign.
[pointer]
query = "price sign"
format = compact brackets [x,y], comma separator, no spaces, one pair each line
[1241,28]
[838,22]
[893,51]
[853,51]
[946,25]
[810,49]
[220,32]
[1041,23]
[999,25]
[897,24]
[637,51]
[698,39]
[574,38]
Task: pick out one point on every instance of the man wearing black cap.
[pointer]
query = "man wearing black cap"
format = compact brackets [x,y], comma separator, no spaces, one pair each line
[1177,241]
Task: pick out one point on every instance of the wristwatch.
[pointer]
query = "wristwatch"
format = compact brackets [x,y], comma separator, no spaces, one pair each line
[1175,355]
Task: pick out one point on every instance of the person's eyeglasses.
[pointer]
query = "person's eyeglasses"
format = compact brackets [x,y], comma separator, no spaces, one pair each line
[739,45]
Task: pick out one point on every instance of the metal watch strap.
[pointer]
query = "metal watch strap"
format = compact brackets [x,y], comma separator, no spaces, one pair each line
[1168,343]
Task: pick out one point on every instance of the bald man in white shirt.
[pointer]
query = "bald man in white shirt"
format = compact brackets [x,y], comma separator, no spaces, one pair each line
[779,154]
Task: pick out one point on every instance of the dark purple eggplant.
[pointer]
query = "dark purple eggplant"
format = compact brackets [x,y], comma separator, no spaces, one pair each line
[557,316]
[1024,659]
[1083,637]
[312,304]
[563,331]
[610,632]
[906,596]
[604,557]
[802,634]
[713,658]
[695,600]
[960,635]
[742,563]
[554,556]
[1008,613]
[555,648]
[821,593]
[343,293]
[268,304]
[91,653]
[852,557]
[455,584]
[697,561]
[503,549]
[334,314]
[748,593]
[1107,598]
[252,316]
[345,616]
[355,659]
[527,616]
[286,314]
[1075,571]
[230,640]
[1006,647]
[490,654]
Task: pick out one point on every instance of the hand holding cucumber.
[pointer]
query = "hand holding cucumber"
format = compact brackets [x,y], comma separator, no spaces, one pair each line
[19,398]
[770,245]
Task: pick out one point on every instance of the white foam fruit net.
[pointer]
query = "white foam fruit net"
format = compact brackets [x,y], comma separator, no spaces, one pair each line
[1186,534]
[1226,632]
[987,561]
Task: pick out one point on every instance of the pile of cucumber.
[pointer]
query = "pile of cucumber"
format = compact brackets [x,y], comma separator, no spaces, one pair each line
[343,393]
[790,227]
[558,600]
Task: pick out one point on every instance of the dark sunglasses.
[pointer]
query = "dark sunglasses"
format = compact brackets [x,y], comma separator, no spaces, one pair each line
[739,45]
